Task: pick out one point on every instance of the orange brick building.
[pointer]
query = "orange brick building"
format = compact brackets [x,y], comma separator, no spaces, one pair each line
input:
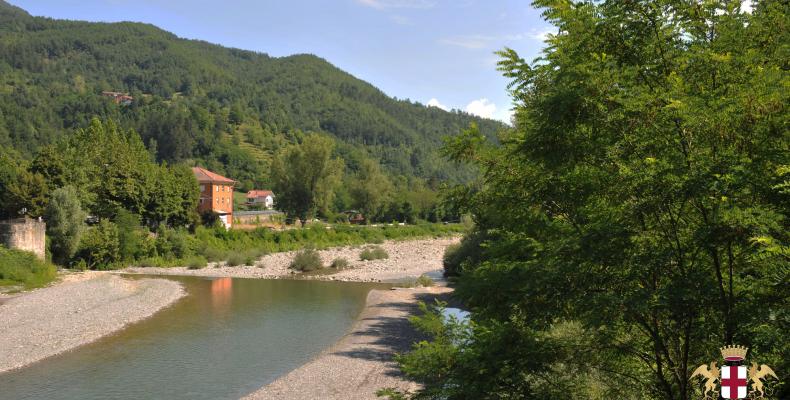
[216,194]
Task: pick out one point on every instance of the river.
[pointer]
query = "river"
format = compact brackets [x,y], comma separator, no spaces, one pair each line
[226,338]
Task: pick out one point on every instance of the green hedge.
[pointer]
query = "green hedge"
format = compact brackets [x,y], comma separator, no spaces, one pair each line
[25,269]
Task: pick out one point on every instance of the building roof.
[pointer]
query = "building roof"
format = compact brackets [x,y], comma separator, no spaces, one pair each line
[205,176]
[259,193]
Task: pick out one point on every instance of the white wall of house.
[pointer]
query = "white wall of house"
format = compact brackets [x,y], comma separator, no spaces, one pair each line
[267,201]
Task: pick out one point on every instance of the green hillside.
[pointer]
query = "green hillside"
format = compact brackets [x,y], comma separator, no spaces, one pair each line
[197,102]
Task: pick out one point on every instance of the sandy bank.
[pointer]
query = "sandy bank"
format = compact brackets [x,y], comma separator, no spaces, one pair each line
[78,310]
[362,361]
[407,259]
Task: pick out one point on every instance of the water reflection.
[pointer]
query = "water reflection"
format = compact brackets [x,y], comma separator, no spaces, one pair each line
[221,295]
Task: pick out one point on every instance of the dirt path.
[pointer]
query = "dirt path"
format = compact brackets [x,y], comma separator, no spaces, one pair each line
[76,311]
[362,361]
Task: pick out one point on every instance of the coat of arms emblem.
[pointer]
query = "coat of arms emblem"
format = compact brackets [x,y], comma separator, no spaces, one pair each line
[736,381]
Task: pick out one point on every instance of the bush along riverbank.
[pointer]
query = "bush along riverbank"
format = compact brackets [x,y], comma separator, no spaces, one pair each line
[23,270]
[171,248]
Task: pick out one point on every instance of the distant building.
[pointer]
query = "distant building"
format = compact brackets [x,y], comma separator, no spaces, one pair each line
[216,194]
[264,198]
[355,217]
[119,98]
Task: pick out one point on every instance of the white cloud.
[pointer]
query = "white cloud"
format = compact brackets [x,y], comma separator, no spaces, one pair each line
[482,108]
[541,34]
[384,4]
[435,103]
[489,41]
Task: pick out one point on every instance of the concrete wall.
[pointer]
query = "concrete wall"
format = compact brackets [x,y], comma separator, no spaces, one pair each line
[24,234]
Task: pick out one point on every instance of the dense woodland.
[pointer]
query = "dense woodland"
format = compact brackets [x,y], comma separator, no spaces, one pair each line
[635,220]
[196,102]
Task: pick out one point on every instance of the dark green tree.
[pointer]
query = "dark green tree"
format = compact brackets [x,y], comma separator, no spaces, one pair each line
[65,223]
[305,176]
[635,218]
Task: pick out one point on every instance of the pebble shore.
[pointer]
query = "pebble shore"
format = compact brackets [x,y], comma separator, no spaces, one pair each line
[79,310]
[361,362]
[407,260]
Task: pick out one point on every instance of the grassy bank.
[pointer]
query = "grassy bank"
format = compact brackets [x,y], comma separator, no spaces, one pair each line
[22,268]
[239,247]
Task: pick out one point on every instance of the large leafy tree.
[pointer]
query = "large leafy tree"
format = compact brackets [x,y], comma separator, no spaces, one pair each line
[636,216]
[370,188]
[65,223]
[305,176]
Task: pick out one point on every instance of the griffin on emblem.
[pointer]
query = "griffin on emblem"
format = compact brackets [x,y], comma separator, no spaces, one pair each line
[757,374]
[711,375]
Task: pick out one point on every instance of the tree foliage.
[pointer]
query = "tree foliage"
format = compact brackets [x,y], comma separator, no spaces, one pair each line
[305,176]
[228,108]
[635,219]
[65,223]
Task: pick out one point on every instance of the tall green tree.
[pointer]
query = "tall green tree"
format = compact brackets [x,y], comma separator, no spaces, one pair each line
[65,223]
[305,176]
[369,188]
[21,192]
[635,219]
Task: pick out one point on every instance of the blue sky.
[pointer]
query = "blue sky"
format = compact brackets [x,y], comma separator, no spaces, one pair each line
[433,51]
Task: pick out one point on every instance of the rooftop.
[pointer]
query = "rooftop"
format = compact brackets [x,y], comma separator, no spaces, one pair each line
[205,176]
[259,193]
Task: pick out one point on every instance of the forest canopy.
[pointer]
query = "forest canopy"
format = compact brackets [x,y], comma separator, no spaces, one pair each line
[196,102]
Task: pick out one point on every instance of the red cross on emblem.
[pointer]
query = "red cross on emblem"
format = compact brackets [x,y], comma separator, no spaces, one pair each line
[734,384]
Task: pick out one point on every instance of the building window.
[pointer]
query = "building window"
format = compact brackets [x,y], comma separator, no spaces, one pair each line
[202,188]
[216,188]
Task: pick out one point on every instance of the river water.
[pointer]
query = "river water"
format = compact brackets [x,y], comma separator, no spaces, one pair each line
[225,339]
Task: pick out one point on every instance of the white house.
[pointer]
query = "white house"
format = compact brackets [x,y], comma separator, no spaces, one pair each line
[261,197]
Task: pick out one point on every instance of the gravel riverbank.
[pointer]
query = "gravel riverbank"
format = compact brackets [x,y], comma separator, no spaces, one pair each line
[407,260]
[78,310]
[362,361]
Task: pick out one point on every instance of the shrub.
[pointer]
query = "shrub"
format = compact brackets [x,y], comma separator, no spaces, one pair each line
[373,253]
[99,246]
[214,254]
[196,262]
[424,280]
[306,260]
[467,252]
[339,263]
[24,268]
[172,243]
[235,259]
[151,262]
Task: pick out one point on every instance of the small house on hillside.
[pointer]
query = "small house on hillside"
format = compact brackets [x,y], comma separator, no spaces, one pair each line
[119,98]
[216,194]
[263,198]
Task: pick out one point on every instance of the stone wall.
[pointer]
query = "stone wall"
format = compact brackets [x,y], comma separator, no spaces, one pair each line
[24,234]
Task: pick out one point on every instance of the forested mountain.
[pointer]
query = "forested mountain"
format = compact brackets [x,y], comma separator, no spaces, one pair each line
[194,101]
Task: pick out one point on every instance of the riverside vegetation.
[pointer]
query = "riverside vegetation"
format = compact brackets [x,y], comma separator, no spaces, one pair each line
[634,220]
[23,269]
